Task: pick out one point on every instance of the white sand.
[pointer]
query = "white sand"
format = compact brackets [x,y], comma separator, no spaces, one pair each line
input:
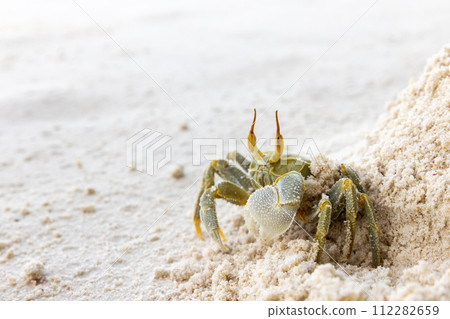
[69,208]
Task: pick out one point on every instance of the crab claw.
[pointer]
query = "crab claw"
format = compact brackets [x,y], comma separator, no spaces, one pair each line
[273,208]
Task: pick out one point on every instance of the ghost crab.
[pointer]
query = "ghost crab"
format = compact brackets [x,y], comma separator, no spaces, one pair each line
[271,188]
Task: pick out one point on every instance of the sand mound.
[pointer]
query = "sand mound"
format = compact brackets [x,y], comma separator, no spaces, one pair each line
[405,169]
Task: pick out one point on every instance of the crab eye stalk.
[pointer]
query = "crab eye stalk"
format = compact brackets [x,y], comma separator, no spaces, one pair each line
[279,143]
[256,153]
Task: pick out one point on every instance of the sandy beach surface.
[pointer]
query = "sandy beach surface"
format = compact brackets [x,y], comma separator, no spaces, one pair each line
[79,78]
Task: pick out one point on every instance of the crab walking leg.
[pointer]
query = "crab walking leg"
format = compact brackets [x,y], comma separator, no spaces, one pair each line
[344,192]
[233,174]
[231,193]
[196,217]
[373,230]
[240,159]
[370,213]
[348,171]
[351,211]
[207,182]
[233,189]
[323,210]
[209,218]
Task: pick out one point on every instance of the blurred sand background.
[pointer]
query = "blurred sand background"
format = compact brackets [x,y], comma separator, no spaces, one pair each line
[70,98]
